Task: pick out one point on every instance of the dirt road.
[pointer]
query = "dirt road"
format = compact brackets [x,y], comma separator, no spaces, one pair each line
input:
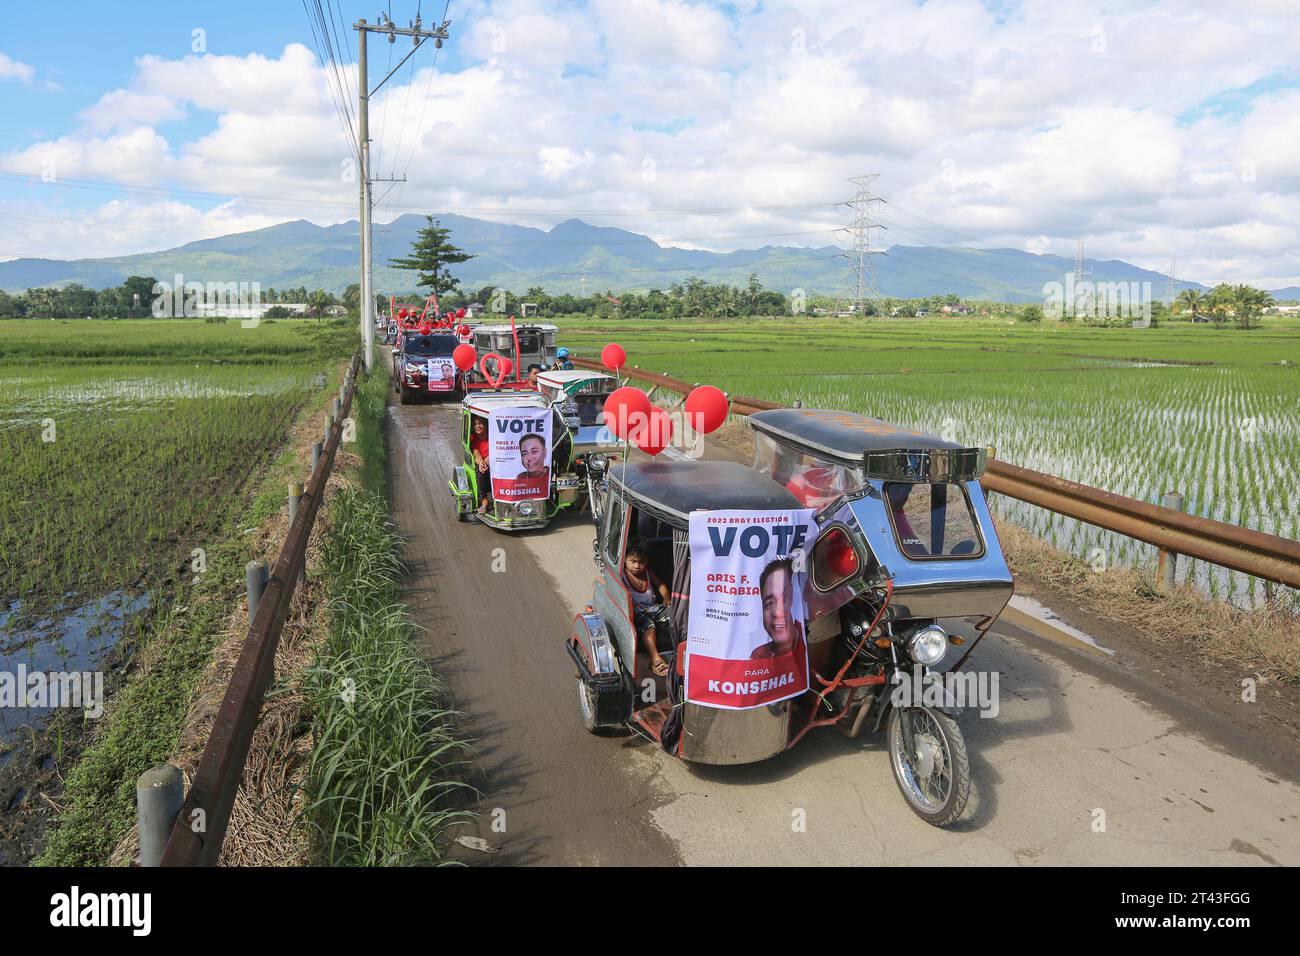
[1081,766]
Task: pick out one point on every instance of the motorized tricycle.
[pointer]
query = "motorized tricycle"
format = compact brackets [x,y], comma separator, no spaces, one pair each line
[523,345]
[517,469]
[579,397]
[897,566]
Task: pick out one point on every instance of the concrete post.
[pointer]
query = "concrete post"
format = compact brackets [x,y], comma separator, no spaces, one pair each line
[256,574]
[1167,565]
[159,793]
[316,448]
[295,496]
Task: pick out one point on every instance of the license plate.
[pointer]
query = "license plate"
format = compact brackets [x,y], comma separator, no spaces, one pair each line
[568,482]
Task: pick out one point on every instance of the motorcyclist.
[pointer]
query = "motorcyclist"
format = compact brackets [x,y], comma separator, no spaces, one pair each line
[562,361]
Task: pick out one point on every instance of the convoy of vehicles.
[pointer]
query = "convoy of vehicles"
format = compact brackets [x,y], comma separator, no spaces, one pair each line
[897,567]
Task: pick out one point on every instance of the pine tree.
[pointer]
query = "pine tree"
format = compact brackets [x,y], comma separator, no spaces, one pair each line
[430,255]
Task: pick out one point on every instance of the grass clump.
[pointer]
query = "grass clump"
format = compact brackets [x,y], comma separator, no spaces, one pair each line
[378,786]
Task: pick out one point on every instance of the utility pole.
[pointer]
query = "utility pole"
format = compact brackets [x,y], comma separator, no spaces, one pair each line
[863,276]
[418,35]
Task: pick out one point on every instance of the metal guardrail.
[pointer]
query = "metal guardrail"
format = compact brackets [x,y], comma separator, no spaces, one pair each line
[200,827]
[1265,556]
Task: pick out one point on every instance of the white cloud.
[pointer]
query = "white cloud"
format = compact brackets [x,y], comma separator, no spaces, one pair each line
[11,69]
[695,122]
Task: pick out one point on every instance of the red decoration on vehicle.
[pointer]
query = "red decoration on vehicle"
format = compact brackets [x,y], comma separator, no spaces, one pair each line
[654,434]
[501,366]
[706,408]
[463,331]
[460,313]
[612,356]
[626,409]
[837,551]
[464,356]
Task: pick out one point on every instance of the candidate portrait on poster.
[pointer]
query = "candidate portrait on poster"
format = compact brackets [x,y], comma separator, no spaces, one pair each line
[520,453]
[745,642]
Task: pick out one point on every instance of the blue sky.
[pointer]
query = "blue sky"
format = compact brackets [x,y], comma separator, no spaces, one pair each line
[1151,130]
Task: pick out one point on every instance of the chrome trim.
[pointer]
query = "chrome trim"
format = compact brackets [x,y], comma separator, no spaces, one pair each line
[925,465]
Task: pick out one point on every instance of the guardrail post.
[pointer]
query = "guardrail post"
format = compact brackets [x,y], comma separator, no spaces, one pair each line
[295,495]
[798,403]
[159,793]
[1167,565]
[335,412]
[315,455]
[256,574]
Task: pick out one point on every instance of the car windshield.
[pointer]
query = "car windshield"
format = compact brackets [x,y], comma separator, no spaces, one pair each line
[429,344]
[813,480]
[933,520]
[589,408]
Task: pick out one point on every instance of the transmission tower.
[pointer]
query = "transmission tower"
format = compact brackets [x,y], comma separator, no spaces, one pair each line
[861,282]
[1079,274]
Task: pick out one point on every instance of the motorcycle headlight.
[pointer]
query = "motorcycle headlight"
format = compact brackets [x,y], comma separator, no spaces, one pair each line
[597,462]
[526,509]
[928,645]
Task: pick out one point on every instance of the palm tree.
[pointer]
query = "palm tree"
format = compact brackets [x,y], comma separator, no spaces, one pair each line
[1249,303]
[1189,300]
[1220,303]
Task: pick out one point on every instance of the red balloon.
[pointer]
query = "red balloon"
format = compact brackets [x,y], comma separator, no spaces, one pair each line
[626,409]
[460,313]
[507,366]
[706,408]
[613,356]
[464,357]
[463,330]
[654,434]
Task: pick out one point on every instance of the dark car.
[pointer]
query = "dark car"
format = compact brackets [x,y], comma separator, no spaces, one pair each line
[424,366]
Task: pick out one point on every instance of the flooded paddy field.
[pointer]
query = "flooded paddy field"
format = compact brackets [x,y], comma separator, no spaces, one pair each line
[1211,413]
[124,447]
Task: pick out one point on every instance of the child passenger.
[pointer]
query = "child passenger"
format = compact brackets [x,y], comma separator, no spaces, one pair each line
[650,600]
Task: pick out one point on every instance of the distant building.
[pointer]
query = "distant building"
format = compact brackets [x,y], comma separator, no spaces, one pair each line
[527,309]
[474,310]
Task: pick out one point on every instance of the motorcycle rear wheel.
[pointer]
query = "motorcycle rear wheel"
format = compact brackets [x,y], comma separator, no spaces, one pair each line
[935,777]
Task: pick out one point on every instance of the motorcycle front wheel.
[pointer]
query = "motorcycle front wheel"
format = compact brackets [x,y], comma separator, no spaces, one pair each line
[934,772]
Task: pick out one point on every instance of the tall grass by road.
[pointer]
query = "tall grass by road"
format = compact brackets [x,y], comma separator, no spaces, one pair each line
[380,786]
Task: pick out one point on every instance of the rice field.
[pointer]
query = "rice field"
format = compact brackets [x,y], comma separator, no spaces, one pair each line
[1211,413]
[124,444]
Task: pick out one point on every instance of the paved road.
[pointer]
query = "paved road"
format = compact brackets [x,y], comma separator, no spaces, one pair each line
[1072,740]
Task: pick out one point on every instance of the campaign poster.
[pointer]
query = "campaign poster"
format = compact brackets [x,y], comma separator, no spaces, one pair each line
[745,641]
[520,453]
[440,373]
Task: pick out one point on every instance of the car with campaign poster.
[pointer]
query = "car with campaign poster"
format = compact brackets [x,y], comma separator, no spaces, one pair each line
[517,468]
[424,366]
[739,608]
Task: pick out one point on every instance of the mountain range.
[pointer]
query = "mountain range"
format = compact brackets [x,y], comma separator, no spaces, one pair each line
[573,257]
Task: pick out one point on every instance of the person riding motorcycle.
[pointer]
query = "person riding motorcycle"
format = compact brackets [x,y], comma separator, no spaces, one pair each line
[562,362]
